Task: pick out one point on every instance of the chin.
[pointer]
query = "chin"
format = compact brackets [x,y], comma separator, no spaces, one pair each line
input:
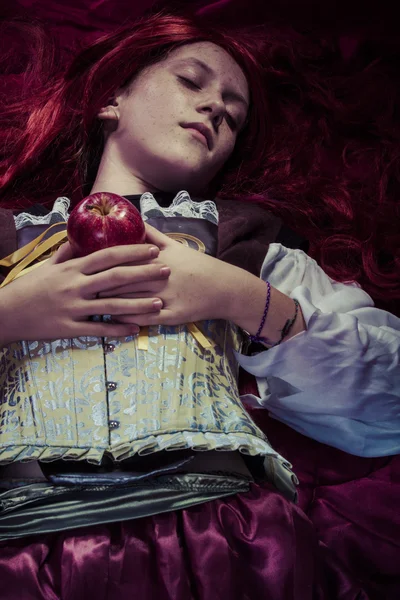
[179,172]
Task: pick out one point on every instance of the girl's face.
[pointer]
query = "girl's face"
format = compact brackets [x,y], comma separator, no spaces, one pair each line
[147,125]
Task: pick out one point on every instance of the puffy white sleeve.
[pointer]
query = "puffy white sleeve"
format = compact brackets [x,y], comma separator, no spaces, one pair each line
[339,381]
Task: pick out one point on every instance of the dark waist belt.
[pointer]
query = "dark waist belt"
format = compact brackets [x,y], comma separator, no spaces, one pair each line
[63,472]
[136,468]
[45,507]
[78,494]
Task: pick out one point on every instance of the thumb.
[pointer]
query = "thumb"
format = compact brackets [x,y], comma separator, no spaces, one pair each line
[63,254]
[153,236]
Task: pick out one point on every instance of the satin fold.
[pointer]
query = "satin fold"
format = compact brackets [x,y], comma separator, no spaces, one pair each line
[45,508]
[249,546]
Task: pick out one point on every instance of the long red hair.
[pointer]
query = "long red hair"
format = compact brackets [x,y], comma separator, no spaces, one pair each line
[313,152]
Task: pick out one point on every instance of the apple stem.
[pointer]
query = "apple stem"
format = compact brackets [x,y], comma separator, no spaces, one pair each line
[101,210]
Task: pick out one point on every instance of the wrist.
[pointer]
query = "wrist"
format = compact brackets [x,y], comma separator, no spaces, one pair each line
[248,308]
[245,305]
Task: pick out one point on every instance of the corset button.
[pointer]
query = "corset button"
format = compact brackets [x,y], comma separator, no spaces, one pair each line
[109,348]
[113,424]
[111,386]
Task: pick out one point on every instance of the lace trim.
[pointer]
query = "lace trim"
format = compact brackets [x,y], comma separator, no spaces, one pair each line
[58,213]
[182,206]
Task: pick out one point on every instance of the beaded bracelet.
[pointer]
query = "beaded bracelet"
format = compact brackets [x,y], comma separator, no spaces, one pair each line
[287,327]
[256,338]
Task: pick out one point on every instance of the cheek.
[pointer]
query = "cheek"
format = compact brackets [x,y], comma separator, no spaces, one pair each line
[227,147]
[162,106]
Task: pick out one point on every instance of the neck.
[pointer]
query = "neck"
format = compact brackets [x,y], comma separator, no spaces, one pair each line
[113,176]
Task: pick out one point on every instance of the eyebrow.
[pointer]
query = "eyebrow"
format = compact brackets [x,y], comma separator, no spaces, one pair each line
[230,94]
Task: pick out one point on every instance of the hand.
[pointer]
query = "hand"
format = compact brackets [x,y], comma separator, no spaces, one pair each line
[56,299]
[199,287]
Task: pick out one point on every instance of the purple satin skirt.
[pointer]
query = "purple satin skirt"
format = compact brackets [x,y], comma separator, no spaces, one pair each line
[251,546]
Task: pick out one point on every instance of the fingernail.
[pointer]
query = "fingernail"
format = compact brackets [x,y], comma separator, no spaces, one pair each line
[157,304]
[154,251]
[165,271]
[135,329]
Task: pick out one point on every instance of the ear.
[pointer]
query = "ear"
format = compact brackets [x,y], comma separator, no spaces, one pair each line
[109,112]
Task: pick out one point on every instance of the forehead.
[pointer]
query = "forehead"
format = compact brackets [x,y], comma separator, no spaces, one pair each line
[224,66]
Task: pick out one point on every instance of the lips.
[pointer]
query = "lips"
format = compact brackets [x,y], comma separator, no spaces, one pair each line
[203,129]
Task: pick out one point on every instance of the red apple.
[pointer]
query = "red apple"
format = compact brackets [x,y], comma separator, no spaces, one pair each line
[102,220]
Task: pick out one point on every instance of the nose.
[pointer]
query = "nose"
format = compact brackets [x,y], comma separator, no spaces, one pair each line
[216,110]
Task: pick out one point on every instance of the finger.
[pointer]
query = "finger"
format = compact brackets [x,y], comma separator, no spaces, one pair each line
[153,236]
[117,255]
[63,253]
[123,276]
[123,306]
[136,290]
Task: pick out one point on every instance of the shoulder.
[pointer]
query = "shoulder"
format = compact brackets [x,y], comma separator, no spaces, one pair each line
[240,220]
[14,222]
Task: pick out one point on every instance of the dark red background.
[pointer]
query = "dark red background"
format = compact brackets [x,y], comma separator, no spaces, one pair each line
[353,502]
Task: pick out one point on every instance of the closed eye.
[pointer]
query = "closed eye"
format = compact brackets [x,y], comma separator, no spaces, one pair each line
[231,122]
[190,83]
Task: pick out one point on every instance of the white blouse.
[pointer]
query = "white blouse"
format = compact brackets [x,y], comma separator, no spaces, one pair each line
[338,382]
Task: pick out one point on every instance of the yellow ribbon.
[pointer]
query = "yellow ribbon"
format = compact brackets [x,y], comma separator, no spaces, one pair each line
[201,339]
[29,253]
[199,336]
[143,339]
[19,254]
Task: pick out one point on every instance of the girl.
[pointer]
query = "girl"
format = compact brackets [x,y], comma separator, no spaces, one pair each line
[135,416]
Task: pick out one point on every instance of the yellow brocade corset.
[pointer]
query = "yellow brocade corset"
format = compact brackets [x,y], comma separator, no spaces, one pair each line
[87,397]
